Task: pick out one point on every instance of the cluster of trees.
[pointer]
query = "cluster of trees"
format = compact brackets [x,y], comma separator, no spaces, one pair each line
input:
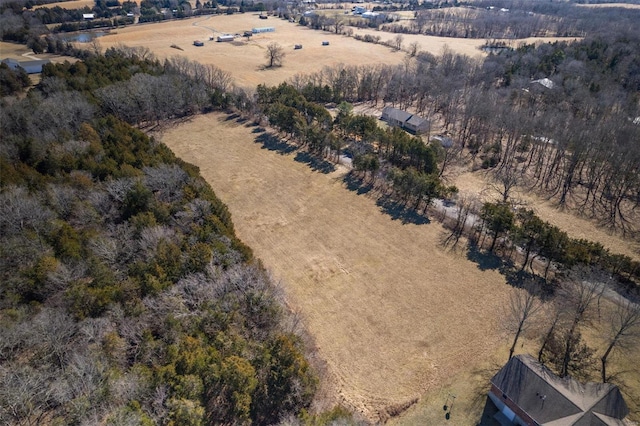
[12,81]
[539,239]
[406,161]
[126,296]
[572,136]
[559,322]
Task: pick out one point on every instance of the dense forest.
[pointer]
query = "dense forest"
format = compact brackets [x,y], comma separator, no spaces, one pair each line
[126,297]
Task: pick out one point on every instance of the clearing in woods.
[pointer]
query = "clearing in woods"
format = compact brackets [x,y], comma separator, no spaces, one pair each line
[393,315]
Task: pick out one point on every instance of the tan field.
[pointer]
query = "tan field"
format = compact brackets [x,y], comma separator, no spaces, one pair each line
[623,5]
[392,314]
[396,318]
[246,60]
[73,4]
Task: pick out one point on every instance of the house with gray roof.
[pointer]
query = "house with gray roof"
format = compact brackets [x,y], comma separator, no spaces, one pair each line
[31,67]
[528,393]
[405,120]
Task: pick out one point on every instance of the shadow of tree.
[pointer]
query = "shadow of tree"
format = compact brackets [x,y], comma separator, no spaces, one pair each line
[258,129]
[485,260]
[274,143]
[356,184]
[316,164]
[399,211]
[528,281]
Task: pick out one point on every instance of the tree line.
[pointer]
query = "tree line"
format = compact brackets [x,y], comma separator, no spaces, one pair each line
[126,296]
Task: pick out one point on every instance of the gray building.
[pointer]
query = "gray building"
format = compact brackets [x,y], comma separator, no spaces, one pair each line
[527,393]
[405,120]
[31,67]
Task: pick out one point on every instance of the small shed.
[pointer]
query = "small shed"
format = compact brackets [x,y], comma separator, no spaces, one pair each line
[225,37]
[198,43]
[88,16]
[325,43]
[263,30]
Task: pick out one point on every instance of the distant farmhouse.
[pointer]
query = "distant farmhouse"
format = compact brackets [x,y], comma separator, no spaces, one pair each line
[405,120]
[31,67]
[527,393]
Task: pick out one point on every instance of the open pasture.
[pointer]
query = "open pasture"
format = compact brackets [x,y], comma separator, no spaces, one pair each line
[392,314]
[245,59]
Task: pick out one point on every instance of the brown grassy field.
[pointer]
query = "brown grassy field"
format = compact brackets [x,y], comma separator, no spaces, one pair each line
[246,59]
[623,5]
[393,315]
[73,4]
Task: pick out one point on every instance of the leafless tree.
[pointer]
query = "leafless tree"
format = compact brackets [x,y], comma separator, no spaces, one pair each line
[623,332]
[523,306]
[413,49]
[275,54]
[397,42]
[505,180]
[577,295]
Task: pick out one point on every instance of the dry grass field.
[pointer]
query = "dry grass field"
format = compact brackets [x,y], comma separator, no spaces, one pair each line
[393,315]
[622,5]
[246,59]
[73,4]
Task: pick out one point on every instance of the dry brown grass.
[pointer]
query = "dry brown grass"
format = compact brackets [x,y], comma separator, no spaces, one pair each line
[392,314]
[623,5]
[246,60]
[73,4]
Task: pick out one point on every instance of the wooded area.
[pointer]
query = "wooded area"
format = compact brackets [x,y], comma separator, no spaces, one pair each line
[126,296]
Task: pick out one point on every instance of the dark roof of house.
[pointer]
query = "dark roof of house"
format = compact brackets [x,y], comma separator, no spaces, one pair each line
[553,401]
[416,121]
[391,113]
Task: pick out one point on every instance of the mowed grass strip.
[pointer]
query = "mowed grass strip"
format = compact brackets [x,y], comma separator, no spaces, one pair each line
[392,314]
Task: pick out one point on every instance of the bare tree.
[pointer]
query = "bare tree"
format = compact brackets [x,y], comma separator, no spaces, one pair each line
[397,42]
[623,332]
[522,308]
[413,49]
[578,293]
[275,54]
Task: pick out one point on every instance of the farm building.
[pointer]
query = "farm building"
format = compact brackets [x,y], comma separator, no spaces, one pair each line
[88,16]
[226,37]
[527,393]
[31,67]
[370,15]
[263,30]
[405,120]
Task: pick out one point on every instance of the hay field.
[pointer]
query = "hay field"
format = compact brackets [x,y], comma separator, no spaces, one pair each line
[622,5]
[246,60]
[72,4]
[392,314]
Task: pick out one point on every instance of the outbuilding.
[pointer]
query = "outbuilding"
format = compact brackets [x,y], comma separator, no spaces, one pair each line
[225,37]
[31,67]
